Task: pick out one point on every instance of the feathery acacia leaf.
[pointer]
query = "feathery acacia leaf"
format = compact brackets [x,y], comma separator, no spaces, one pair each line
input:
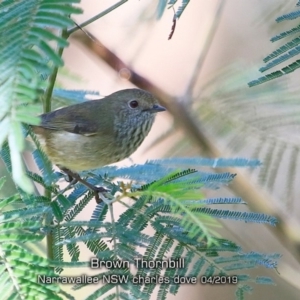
[282,54]
[26,38]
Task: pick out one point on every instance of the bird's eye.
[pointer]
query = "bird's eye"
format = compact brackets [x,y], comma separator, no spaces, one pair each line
[133,104]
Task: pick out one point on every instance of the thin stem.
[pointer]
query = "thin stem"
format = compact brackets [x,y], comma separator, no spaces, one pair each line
[100,15]
[50,238]
[110,207]
[52,79]
[206,47]
[47,108]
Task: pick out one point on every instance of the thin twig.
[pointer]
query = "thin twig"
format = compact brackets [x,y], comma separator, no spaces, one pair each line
[88,34]
[110,207]
[173,26]
[98,16]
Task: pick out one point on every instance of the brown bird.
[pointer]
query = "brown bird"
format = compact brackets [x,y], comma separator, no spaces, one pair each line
[95,133]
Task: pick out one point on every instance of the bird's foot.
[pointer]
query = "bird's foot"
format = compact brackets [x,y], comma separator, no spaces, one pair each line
[98,190]
[75,177]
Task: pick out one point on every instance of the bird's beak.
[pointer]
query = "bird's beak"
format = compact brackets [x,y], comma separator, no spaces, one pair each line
[156,108]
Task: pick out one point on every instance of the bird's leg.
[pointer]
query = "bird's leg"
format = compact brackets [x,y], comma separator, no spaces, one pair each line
[70,178]
[75,177]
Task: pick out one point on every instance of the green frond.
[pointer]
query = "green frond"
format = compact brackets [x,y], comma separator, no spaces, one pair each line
[189,220]
[69,264]
[211,201]
[210,270]
[9,200]
[20,273]
[291,67]
[295,51]
[286,34]
[42,161]
[161,6]
[238,215]
[172,272]
[57,248]
[99,212]
[243,277]
[197,267]
[90,224]
[112,297]
[64,203]
[181,8]
[283,53]
[151,251]
[100,292]
[264,280]
[161,255]
[84,238]
[125,296]
[37,178]
[95,246]
[127,217]
[289,16]
[73,249]
[134,237]
[154,169]
[26,45]
[241,290]
[66,295]
[23,214]
[207,162]
[286,47]
[25,225]
[72,213]
[142,173]
[56,211]
[188,258]
[126,252]
[222,245]
[62,97]
[248,256]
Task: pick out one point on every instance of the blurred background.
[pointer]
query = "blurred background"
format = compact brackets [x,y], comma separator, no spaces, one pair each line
[201,75]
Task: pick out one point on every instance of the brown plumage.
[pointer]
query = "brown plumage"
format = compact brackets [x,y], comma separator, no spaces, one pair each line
[99,132]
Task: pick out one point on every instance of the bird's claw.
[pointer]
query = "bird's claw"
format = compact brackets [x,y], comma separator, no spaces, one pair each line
[101,190]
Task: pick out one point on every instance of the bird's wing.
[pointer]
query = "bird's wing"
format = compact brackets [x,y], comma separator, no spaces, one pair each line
[78,127]
[74,121]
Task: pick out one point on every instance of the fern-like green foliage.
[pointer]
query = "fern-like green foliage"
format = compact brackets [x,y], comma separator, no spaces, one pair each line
[27,49]
[285,52]
[165,197]
[19,266]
